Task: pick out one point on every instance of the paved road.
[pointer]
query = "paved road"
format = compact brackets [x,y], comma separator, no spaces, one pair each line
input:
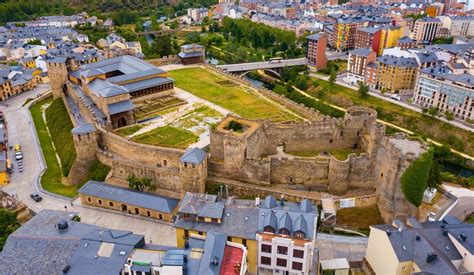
[21,130]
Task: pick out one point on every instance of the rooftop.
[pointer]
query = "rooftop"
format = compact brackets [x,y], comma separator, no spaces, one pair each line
[128,196]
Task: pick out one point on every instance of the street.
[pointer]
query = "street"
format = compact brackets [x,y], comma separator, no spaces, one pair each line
[21,130]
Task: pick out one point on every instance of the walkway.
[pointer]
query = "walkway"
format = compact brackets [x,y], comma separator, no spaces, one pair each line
[242,67]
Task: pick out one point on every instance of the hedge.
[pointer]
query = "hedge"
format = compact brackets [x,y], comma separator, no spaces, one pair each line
[414,180]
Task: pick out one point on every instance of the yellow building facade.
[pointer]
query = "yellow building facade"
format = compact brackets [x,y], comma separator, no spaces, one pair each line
[389,37]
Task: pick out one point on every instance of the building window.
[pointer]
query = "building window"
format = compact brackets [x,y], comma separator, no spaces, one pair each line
[89,199]
[137,211]
[284,231]
[282,250]
[148,213]
[111,204]
[298,253]
[244,242]
[229,238]
[281,262]
[186,234]
[268,229]
[165,163]
[214,220]
[199,233]
[160,216]
[266,248]
[299,235]
[100,202]
[297,266]
[266,260]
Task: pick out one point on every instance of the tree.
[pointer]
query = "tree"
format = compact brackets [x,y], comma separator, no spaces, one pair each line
[414,180]
[301,82]
[140,184]
[8,224]
[163,45]
[363,89]
[332,76]
[34,42]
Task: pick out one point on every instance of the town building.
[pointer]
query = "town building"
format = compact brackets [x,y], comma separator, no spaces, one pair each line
[389,37]
[396,74]
[426,29]
[212,255]
[316,51]
[368,38]
[238,219]
[192,54]
[112,84]
[357,64]
[461,25]
[344,32]
[370,78]
[405,43]
[438,87]
[439,247]
[123,199]
[286,237]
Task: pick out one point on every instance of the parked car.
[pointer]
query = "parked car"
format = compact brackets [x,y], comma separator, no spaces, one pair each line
[432,217]
[396,97]
[20,169]
[36,197]
[17,147]
[18,155]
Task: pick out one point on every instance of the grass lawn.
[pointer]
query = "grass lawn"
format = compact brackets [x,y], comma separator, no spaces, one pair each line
[197,116]
[60,127]
[52,177]
[421,124]
[470,219]
[359,217]
[153,107]
[217,89]
[167,136]
[98,171]
[125,132]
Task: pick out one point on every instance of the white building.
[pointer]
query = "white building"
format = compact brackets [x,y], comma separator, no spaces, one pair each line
[287,232]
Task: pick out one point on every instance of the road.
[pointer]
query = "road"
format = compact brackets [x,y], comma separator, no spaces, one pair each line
[21,130]
[262,65]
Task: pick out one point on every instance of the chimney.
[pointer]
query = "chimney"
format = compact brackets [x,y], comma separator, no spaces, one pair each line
[431,257]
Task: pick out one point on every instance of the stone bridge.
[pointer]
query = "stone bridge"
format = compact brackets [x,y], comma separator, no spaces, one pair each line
[270,66]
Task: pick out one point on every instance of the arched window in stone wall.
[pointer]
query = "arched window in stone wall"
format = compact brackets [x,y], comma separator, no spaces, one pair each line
[165,163]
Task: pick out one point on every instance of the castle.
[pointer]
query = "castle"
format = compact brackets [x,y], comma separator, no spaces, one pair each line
[293,158]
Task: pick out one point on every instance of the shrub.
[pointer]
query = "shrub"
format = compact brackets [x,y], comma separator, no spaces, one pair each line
[414,180]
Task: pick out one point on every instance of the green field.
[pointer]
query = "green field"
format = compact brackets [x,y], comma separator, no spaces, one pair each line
[125,132]
[421,124]
[217,89]
[167,136]
[52,177]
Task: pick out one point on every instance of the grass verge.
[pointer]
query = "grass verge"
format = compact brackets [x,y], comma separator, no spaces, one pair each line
[60,126]
[98,171]
[421,124]
[52,178]
[125,132]
[360,218]
[215,88]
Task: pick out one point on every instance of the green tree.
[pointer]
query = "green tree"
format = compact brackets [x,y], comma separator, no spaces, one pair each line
[163,45]
[34,42]
[301,82]
[8,225]
[414,180]
[332,76]
[363,89]
[140,184]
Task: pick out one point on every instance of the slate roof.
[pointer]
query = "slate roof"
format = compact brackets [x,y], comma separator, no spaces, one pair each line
[146,83]
[106,89]
[404,62]
[415,243]
[120,107]
[446,73]
[361,52]
[214,247]
[315,36]
[38,247]
[291,216]
[193,155]
[371,30]
[405,39]
[188,55]
[83,129]
[427,57]
[127,196]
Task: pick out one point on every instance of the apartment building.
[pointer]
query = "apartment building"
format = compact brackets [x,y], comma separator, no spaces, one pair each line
[286,237]
[316,51]
[406,43]
[396,74]
[344,32]
[368,38]
[438,87]
[461,25]
[389,37]
[357,64]
[440,247]
[426,29]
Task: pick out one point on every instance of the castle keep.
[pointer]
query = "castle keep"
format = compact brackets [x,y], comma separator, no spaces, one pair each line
[299,159]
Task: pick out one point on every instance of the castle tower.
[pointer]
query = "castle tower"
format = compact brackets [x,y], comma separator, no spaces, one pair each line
[85,143]
[338,176]
[58,75]
[193,171]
